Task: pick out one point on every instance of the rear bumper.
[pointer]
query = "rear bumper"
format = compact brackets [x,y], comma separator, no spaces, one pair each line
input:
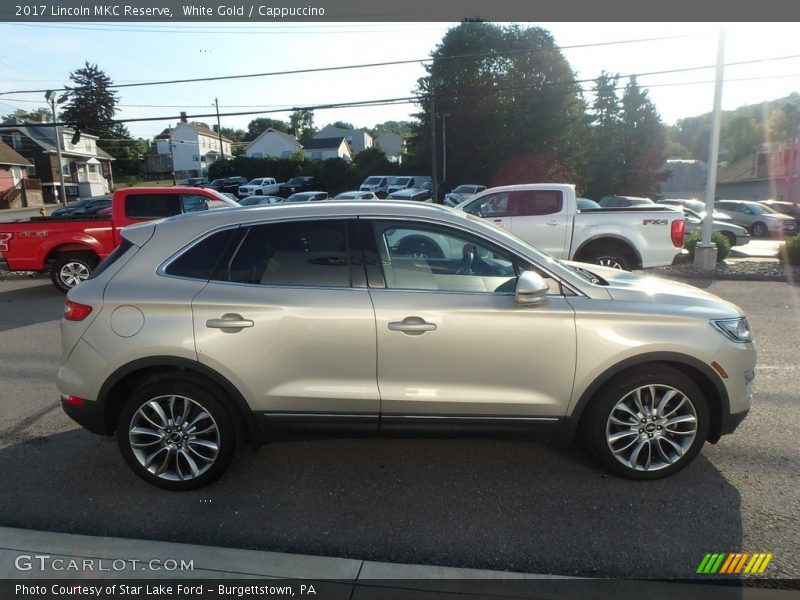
[90,415]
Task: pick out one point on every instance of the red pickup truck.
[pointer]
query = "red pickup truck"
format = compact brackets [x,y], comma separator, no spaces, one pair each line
[71,247]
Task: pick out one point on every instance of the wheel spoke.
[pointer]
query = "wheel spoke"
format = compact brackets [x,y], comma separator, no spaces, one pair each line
[637,396]
[668,395]
[664,456]
[179,455]
[622,434]
[634,457]
[677,408]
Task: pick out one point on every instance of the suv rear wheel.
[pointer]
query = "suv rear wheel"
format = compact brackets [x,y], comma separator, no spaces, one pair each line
[647,424]
[176,434]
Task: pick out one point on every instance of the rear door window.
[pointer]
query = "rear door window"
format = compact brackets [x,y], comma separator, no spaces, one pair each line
[537,202]
[152,206]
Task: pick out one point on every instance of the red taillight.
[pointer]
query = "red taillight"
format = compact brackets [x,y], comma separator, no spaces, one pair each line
[678,229]
[4,239]
[76,312]
[73,400]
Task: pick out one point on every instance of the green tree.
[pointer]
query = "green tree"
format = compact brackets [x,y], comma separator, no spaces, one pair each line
[343,125]
[643,140]
[302,122]
[514,111]
[258,126]
[92,103]
[403,128]
[604,160]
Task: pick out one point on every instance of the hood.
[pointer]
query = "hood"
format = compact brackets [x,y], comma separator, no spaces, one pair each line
[778,216]
[634,287]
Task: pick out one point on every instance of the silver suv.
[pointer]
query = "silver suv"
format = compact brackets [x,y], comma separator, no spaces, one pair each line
[350,318]
[757,218]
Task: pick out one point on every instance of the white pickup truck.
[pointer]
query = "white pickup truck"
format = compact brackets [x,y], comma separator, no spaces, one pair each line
[546,215]
[261,186]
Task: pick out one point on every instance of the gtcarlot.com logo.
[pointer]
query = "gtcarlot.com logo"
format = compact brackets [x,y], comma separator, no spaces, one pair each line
[734,563]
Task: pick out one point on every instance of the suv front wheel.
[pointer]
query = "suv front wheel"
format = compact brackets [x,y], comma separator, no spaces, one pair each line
[176,434]
[647,424]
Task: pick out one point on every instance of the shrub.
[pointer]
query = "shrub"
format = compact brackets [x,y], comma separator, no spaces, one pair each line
[789,252]
[723,245]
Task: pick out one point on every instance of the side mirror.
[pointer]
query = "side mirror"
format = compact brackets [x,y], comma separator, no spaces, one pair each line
[531,289]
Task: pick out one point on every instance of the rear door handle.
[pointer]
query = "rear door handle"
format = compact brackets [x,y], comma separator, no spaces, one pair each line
[229,321]
[412,326]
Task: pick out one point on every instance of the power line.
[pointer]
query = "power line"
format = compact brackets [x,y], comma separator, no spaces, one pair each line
[362,66]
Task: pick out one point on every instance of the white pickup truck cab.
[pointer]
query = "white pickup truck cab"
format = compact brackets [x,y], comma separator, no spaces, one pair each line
[546,215]
[261,186]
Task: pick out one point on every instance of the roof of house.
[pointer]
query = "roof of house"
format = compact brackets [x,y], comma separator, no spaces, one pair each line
[330,130]
[739,170]
[287,136]
[332,143]
[9,156]
[34,131]
[198,128]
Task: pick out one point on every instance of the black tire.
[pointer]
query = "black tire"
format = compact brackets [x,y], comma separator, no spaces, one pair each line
[71,269]
[609,256]
[419,245]
[758,229]
[598,428]
[174,443]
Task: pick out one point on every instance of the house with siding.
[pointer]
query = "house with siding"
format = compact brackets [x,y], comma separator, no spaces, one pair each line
[358,139]
[392,144]
[273,144]
[85,166]
[13,178]
[188,150]
[324,148]
[770,172]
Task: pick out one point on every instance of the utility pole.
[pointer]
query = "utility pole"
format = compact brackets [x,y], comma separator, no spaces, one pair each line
[50,96]
[219,131]
[172,157]
[444,146]
[434,165]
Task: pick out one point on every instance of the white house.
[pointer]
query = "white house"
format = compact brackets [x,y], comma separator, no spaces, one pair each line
[272,143]
[194,148]
[324,148]
[392,144]
[358,139]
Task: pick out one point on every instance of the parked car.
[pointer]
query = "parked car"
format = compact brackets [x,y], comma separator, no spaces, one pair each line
[158,347]
[403,182]
[377,184]
[260,200]
[790,209]
[587,204]
[736,235]
[547,216]
[302,183]
[266,186]
[356,195]
[71,249]
[307,197]
[84,206]
[461,193]
[760,220]
[697,206]
[423,193]
[228,184]
[623,201]
[193,182]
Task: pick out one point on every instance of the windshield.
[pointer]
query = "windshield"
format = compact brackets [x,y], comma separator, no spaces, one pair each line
[401,180]
[372,181]
[218,182]
[304,197]
[296,180]
[463,189]
[761,209]
[255,182]
[222,197]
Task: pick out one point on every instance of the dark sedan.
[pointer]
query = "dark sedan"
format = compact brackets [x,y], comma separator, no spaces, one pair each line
[84,206]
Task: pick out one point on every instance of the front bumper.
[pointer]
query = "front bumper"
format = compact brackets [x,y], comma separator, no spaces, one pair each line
[731,421]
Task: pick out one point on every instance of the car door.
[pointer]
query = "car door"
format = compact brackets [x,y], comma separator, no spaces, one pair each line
[286,322]
[540,218]
[494,207]
[453,343]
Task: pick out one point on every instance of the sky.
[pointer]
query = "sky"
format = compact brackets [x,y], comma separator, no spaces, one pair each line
[41,55]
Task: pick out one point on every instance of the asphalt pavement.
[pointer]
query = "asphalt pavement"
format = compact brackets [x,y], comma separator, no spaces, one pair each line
[500,505]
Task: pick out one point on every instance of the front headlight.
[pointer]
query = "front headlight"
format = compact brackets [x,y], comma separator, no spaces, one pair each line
[737,330]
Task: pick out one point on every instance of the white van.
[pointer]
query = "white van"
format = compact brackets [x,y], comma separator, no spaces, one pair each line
[377,184]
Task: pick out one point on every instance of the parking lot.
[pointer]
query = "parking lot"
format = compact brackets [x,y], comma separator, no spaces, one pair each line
[491,504]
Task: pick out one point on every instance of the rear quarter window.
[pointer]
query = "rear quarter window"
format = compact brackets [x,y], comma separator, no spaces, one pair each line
[200,260]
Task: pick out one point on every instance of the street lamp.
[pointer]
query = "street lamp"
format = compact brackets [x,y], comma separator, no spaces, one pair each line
[50,96]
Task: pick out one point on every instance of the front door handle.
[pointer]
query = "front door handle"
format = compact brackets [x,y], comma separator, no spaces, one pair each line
[412,326]
[229,321]
[553,223]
